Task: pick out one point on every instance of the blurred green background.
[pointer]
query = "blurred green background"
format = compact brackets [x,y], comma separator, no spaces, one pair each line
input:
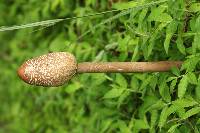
[99,103]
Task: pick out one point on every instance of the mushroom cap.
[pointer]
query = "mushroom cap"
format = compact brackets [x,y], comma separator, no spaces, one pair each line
[52,69]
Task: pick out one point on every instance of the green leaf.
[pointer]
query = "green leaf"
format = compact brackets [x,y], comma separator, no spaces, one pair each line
[192,78]
[170,79]
[191,112]
[197,91]
[197,25]
[180,45]
[150,48]
[141,19]
[170,110]
[149,101]
[139,124]
[198,121]
[134,83]
[105,125]
[156,13]
[184,102]
[172,128]
[153,82]
[182,86]
[140,76]
[190,64]
[55,4]
[98,79]
[192,25]
[164,92]
[165,18]
[172,85]
[121,81]
[99,56]
[154,36]
[111,46]
[163,117]
[171,29]
[135,53]
[154,117]
[195,7]
[122,98]
[123,127]
[123,43]
[157,106]
[196,129]
[58,43]
[71,88]
[167,42]
[145,82]
[113,93]
[124,5]
[195,43]
[175,71]
[180,111]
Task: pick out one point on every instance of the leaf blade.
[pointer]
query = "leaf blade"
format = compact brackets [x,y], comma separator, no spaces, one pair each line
[182,87]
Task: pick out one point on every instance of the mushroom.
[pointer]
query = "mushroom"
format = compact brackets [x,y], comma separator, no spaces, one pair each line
[55,69]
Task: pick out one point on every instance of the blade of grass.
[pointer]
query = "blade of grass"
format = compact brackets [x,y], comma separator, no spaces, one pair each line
[54,21]
[49,22]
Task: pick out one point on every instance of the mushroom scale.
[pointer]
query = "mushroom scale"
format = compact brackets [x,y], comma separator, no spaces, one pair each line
[53,69]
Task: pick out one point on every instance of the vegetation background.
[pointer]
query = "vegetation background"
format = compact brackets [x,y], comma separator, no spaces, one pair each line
[138,30]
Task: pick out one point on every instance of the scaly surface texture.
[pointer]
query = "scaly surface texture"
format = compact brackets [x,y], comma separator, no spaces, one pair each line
[53,69]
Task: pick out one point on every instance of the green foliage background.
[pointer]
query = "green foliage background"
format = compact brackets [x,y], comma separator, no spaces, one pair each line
[142,30]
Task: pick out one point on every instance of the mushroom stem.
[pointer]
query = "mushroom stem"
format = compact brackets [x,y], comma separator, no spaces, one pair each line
[127,67]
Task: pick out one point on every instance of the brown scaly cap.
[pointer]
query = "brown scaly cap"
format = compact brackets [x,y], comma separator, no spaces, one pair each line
[53,69]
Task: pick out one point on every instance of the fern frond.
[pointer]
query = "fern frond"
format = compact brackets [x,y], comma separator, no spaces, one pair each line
[123,13]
